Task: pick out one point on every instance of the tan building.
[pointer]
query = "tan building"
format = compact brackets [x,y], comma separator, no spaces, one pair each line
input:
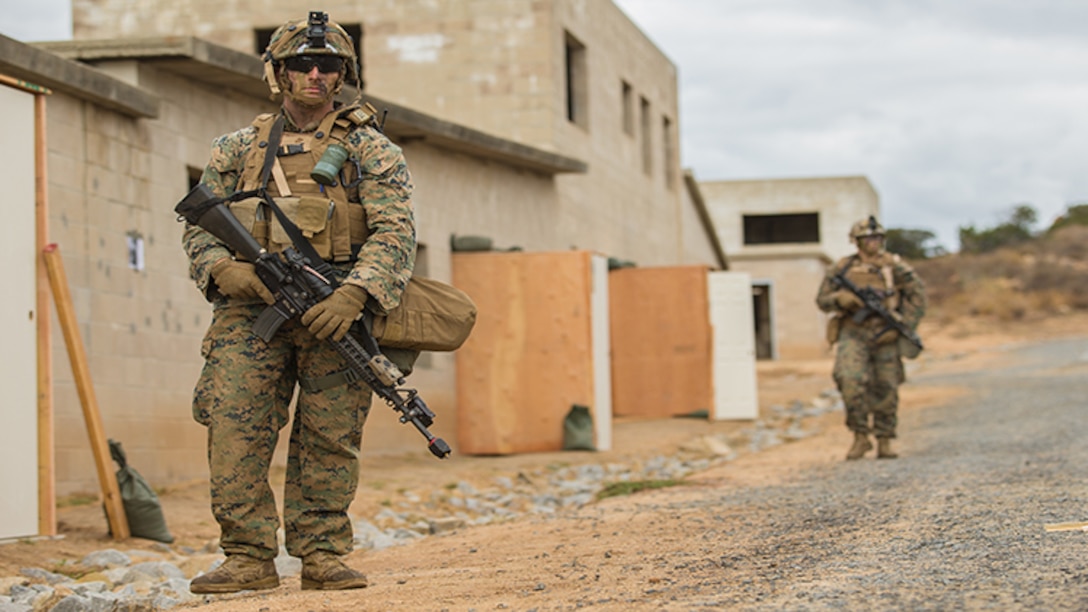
[784,233]
[129,126]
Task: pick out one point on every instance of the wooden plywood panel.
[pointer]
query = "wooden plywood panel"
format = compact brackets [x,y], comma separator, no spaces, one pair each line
[660,341]
[530,355]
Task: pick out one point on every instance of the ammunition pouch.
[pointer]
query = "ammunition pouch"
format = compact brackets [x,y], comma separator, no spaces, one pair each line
[907,348]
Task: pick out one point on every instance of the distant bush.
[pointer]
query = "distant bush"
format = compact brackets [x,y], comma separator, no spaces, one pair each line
[1075,214]
[912,243]
[1016,230]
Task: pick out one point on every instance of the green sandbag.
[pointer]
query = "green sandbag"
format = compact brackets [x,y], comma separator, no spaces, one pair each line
[469,244]
[142,507]
[578,429]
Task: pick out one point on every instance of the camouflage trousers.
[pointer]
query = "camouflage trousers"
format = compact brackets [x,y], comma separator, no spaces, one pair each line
[868,376]
[243,397]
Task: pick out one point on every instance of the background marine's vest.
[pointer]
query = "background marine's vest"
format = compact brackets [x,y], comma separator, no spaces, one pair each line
[877,275]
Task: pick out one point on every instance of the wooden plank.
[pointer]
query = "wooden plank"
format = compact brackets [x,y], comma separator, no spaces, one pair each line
[661,354]
[1078,526]
[47,482]
[529,358]
[111,494]
[21,84]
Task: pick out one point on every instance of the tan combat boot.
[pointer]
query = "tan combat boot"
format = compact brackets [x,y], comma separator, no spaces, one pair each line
[326,572]
[238,573]
[861,446]
[884,449]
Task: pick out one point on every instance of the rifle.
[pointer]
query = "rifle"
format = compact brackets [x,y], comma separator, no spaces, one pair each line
[873,303]
[298,283]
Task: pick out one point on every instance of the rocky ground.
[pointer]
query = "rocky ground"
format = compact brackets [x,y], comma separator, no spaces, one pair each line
[767,515]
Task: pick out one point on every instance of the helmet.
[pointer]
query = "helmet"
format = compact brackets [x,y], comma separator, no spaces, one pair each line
[866,227]
[315,35]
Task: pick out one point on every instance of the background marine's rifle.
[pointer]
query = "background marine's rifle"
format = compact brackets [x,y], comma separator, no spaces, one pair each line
[873,303]
[297,283]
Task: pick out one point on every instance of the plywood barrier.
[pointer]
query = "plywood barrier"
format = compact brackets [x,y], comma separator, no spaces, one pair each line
[661,341]
[531,354]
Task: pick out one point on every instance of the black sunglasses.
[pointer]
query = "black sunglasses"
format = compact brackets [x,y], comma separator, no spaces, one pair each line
[326,64]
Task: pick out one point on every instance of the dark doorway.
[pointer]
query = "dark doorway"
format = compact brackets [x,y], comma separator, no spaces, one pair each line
[761,309]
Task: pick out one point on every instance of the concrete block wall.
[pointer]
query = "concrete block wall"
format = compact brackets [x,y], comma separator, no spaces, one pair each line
[697,249]
[111,178]
[618,193]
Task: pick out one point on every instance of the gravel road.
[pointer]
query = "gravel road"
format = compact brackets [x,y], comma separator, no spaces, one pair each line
[956,523]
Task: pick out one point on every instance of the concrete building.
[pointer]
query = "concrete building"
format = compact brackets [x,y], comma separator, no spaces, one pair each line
[785,232]
[519,157]
[574,77]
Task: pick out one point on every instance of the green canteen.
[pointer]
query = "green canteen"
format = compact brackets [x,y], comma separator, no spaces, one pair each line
[328,167]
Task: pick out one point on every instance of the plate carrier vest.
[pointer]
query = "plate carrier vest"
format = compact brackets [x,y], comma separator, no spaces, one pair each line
[329,216]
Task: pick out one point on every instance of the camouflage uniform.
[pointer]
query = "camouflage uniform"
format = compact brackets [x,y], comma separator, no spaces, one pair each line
[246,385]
[868,370]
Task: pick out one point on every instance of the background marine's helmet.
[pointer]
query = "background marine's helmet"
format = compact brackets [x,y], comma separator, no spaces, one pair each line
[866,227]
[315,35]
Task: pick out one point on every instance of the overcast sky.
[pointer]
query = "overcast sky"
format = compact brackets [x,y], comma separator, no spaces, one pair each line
[956,110]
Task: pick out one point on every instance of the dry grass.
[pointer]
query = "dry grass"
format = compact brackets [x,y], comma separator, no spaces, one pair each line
[1044,277]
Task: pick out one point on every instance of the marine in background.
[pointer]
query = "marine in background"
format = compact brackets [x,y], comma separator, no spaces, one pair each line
[868,356]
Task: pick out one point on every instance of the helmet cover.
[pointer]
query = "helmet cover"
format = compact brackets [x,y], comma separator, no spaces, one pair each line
[866,227]
[315,35]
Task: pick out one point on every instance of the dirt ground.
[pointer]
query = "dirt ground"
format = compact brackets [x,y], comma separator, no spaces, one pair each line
[502,566]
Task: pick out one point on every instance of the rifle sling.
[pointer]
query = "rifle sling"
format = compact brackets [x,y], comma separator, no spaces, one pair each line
[321,383]
[272,145]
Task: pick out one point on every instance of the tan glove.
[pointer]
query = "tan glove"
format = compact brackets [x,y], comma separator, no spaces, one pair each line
[847,301]
[333,315]
[237,279]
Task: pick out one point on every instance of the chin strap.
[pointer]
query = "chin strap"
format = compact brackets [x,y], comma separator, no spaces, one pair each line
[270,78]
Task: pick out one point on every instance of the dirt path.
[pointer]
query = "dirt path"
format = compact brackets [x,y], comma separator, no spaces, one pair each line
[957,522]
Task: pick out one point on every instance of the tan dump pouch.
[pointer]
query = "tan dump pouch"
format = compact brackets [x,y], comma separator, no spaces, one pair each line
[431,316]
[246,211]
[311,215]
[834,326]
[907,348]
